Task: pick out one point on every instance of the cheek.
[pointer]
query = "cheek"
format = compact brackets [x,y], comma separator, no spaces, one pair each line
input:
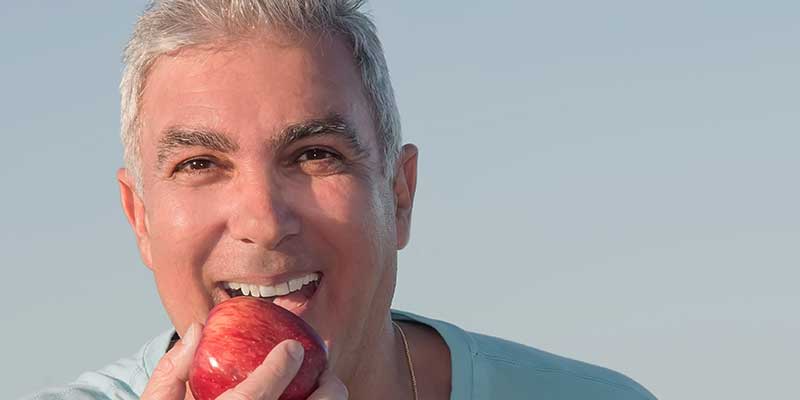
[348,210]
[182,229]
[350,220]
[182,238]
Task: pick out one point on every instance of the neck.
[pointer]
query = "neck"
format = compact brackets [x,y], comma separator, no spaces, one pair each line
[383,369]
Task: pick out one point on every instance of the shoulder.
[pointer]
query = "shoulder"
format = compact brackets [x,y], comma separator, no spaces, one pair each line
[487,367]
[121,380]
[499,362]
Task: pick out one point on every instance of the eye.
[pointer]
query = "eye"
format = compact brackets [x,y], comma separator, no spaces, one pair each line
[194,166]
[320,162]
[316,154]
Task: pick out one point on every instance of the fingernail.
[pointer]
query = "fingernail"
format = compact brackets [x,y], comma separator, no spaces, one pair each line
[295,350]
[194,330]
[191,335]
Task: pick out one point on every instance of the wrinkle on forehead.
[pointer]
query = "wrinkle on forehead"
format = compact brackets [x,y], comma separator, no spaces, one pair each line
[203,69]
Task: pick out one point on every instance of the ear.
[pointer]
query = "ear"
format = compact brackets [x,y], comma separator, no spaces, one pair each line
[405,184]
[133,206]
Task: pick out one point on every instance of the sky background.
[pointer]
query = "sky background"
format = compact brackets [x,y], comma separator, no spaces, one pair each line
[611,181]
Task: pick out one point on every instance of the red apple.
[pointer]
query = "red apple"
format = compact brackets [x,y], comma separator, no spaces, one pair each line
[238,335]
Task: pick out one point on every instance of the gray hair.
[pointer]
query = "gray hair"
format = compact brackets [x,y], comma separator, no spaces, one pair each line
[170,25]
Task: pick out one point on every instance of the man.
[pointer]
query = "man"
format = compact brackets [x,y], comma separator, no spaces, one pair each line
[262,147]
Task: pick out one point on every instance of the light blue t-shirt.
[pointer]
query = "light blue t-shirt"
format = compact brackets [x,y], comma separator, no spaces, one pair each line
[483,368]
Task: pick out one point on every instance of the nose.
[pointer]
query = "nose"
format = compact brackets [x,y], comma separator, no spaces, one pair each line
[261,214]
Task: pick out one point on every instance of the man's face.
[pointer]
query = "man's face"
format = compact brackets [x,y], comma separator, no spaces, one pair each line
[260,164]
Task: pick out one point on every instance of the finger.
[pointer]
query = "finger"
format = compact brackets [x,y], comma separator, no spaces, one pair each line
[270,379]
[330,388]
[168,381]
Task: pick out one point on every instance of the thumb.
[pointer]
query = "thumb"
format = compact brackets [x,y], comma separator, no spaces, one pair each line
[170,375]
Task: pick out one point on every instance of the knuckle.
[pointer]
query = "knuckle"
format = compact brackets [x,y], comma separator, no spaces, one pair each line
[158,391]
[164,382]
[275,370]
[164,367]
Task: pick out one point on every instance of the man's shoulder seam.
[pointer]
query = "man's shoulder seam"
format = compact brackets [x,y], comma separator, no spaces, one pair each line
[561,371]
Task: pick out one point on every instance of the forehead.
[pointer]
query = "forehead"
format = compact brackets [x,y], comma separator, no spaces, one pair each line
[254,88]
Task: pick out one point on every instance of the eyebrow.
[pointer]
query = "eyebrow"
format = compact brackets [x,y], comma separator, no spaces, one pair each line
[176,138]
[332,125]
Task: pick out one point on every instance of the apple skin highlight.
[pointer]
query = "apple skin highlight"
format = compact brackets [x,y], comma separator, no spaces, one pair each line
[238,335]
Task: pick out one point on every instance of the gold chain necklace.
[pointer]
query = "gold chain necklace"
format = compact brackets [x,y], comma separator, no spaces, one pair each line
[408,358]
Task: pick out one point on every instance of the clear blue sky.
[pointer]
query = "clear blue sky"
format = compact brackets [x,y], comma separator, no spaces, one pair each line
[612,181]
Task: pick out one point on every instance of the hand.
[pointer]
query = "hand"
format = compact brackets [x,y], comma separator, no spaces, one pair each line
[267,382]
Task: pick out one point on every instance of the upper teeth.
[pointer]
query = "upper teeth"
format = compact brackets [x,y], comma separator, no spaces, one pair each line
[280,289]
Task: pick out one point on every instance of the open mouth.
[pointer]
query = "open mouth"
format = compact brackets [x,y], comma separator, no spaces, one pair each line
[292,295]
